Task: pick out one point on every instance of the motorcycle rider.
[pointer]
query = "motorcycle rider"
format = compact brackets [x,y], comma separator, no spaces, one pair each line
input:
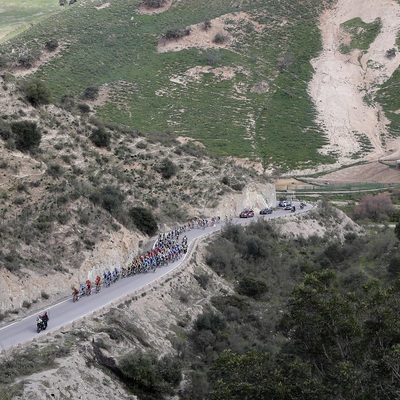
[45,318]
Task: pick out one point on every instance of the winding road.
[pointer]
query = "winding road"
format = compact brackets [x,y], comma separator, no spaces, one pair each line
[65,312]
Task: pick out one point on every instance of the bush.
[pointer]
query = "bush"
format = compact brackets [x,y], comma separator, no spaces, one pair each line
[91,93]
[210,321]
[51,45]
[374,207]
[144,220]
[166,168]
[37,93]
[26,135]
[5,130]
[206,25]
[110,198]
[177,33]
[252,287]
[154,3]
[203,280]
[150,377]
[100,137]
[84,108]
[28,60]
[212,58]
[55,170]
[220,38]
[68,101]
[394,266]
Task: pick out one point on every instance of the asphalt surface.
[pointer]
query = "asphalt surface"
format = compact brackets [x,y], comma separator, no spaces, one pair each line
[66,311]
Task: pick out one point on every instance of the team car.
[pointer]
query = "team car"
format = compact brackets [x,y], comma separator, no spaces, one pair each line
[266,211]
[246,214]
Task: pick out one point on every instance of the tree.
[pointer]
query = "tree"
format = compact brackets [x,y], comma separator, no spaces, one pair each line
[397,230]
[350,342]
[37,93]
[100,137]
[51,45]
[150,377]
[91,93]
[166,168]
[374,207]
[144,220]
[26,135]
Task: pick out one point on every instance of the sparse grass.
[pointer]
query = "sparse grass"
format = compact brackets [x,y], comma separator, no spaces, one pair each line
[362,33]
[28,361]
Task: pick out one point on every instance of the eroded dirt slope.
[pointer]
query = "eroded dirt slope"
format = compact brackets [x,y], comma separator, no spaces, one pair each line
[341,80]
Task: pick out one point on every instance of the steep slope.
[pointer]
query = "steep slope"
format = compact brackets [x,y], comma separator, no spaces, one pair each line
[67,205]
[345,83]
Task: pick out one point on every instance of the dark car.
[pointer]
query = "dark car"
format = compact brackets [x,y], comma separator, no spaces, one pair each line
[288,206]
[266,211]
[246,214]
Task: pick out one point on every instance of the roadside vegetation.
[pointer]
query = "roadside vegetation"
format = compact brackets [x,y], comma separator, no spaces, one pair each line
[303,318]
[298,327]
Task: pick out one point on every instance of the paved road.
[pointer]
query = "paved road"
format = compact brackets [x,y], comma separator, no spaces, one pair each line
[65,312]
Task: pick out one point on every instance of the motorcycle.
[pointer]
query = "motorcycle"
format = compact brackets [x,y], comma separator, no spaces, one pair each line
[40,324]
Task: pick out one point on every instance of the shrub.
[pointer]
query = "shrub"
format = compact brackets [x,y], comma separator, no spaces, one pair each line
[212,58]
[150,377]
[210,321]
[166,168]
[84,108]
[110,198]
[154,3]
[68,101]
[27,60]
[51,45]
[100,137]
[26,135]
[91,93]
[252,287]
[285,61]
[37,93]
[374,207]
[5,130]
[220,38]
[44,295]
[391,53]
[141,145]
[206,25]
[203,280]
[144,220]
[177,33]
[394,266]
[55,170]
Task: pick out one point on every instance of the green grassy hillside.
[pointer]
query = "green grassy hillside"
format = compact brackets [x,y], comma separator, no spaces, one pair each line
[115,47]
[18,15]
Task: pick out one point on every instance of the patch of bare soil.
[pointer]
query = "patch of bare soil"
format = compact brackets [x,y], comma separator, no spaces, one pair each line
[374,172]
[45,57]
[105,5]
[148,10]
[204,38]
[341,81]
